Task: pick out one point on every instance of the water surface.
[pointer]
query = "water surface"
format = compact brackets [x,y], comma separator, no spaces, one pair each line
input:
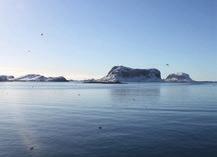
[95,120]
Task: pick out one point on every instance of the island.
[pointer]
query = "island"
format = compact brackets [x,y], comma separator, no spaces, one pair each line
[122,74]
[179,77]
[33,78]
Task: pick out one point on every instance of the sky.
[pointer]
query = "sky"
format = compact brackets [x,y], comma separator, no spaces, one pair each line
[86,38]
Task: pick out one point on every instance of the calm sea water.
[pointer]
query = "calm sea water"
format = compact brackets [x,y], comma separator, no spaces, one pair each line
[94,120]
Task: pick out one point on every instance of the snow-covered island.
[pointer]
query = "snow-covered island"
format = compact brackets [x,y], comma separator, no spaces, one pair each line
[40,78]
[33,78]
[179,77]
[122,74]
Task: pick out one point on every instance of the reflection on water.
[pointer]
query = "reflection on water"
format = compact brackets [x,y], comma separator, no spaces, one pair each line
[134,96]
[152,119]
[135,90]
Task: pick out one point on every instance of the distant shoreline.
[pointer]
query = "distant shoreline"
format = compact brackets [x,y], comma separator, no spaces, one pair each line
[86,82]
[117,75]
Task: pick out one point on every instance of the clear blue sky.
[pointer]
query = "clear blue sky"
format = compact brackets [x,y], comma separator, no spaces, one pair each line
[85,38]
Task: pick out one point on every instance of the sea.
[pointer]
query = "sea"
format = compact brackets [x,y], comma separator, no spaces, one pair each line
[108,120]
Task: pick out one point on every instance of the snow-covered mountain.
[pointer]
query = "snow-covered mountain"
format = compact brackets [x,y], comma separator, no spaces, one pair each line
[121,74]
[6,78]
[178,77]
[39,78]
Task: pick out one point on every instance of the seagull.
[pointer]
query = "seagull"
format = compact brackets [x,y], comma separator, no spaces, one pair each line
[167,64]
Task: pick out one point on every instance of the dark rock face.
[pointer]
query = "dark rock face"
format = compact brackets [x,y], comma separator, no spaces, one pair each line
[57,79]
[6,78]
[178,77]
[126,74]
[10,77]
[3,78]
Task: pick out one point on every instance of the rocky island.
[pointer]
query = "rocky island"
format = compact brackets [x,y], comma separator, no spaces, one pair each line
[122,74]
[40,78]
[178,77]
[33,78]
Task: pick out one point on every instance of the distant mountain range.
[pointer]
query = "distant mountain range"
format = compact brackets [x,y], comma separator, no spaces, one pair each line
[118,74]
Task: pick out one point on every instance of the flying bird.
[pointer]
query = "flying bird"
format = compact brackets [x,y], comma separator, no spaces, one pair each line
[42,34]
[167,64]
